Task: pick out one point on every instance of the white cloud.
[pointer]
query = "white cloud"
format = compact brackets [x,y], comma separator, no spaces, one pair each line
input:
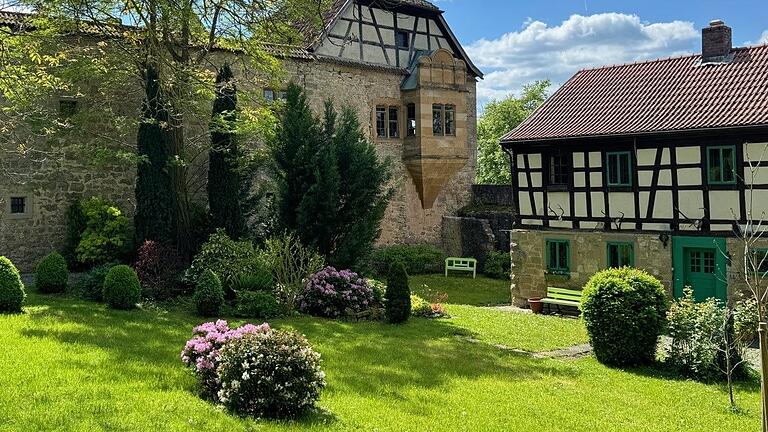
[764,37]
[541,51]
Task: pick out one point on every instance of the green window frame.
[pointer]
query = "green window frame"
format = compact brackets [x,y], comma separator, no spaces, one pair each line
[721,165]
[619,169]
[620,254]
[558,256]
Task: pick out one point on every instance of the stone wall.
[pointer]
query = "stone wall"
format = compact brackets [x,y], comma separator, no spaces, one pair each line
[588,256]
[50,185]
[493,195]
[468,237]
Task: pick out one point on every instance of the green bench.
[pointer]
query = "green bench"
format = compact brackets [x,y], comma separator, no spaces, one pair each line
[461,264]
[562,297]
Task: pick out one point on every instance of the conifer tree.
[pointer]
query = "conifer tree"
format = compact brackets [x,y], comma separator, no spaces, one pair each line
[398,295]
[223,159]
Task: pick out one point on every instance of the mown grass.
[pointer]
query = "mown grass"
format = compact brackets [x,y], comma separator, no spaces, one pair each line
[462,289]
[72,365]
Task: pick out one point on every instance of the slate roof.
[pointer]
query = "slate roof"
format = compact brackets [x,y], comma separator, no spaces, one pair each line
[673,94]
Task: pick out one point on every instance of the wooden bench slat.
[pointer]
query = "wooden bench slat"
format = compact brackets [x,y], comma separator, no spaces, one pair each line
[563,297]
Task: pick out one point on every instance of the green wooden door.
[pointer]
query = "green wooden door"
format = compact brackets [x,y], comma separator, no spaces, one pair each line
[699,262]
[700,272]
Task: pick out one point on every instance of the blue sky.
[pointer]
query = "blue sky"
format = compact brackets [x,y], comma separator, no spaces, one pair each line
[518,41]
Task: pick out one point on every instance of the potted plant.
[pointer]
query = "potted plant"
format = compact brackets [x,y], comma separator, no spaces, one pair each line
[536,305]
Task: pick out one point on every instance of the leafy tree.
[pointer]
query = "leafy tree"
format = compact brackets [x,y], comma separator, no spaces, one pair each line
[500,117]
[223,159]
[333,190]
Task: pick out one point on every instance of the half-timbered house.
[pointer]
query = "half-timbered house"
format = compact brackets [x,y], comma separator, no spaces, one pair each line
[646,165]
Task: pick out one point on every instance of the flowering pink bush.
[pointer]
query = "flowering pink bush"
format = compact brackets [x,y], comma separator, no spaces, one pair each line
[334,293]
[202,352]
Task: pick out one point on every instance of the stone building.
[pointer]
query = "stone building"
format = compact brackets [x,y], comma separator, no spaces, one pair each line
[396,62]
[649,165]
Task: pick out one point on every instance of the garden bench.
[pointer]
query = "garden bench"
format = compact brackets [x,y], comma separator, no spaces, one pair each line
[461,264]
[563,297]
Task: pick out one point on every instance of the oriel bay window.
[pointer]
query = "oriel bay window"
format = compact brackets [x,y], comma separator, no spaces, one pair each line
[558,256]
[411,120]
[387,121]
[721,165]
[619,169]
[621,255]
[443,120]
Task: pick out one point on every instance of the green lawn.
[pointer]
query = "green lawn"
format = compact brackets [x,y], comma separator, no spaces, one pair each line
[71,365]
[463,289]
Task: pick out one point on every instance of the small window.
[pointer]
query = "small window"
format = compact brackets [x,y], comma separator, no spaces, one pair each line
[67,107]
[558,256]
[450,120]
[619,169]
[411,120]
[282,95]
[394,122]
[269,95]
[758,261]
[381,122]
[437,120]
[621,255]
[18,205]
[403,41]
[559,169]
[721,165]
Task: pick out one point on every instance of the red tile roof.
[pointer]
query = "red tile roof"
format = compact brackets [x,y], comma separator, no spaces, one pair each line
[673,94]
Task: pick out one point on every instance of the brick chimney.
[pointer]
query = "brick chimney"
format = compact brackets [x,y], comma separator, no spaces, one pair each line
[716,42]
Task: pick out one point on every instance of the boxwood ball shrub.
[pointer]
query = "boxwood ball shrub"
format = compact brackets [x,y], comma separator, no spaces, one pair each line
[12,292]
[398,295]
[209,295]
[624,311]
[274,374]
[122,289]
[51,274]
[335,293]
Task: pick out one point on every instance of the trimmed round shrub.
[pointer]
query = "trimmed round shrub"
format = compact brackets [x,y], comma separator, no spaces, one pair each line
[624,311]
[90,286]
[398,295]
[257,304]
[335,293]
[209,295]
[275,374]
[122,289]
[12,293]
[51,274]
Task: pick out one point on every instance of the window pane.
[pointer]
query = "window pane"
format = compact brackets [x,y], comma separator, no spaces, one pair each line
[552,255]
[728,165]
[613,169]
[381,122]
[394,122]
[411,119]
[269,95]
[715,174]
[18,205]
[625,255]
[563,256]
[450,120]
[624,169]
[402,39]
[437,120]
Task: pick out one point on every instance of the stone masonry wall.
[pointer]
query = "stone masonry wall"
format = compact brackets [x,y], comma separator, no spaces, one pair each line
[52,184]
[588,256]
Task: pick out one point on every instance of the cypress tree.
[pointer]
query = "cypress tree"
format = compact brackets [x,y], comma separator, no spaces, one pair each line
[223,159]
[154,219]
[398,295]
[293,151]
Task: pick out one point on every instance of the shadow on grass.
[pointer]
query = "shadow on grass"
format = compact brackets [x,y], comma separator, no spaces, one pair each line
[370,359]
